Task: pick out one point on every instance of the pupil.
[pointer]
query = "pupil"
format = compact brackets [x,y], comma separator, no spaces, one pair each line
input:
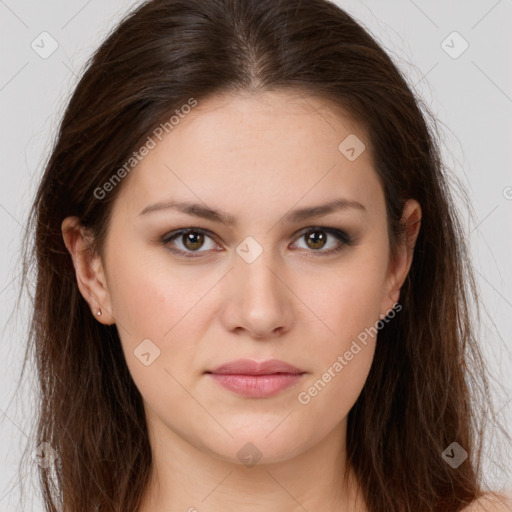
[190,243]
[316,239]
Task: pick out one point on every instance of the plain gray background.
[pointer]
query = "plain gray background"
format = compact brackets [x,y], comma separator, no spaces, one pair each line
[469,91]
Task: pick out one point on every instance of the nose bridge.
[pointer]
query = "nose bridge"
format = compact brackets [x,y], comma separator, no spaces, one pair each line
[260,303]
[256,266]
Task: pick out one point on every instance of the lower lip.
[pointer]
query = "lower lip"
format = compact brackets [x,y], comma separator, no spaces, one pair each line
[257,386]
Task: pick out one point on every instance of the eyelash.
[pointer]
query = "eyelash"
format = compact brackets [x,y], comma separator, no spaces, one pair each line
[343,237]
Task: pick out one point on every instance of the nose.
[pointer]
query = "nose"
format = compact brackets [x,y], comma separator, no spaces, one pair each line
[260,302]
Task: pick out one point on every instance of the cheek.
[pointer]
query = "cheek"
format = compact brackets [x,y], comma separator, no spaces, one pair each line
[342,367]
[155,301]
[149,296]
[154,311]
[348,298]
[138,303]
[327,397]
[348,305]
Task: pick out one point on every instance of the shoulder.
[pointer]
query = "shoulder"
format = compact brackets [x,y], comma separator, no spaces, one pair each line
[491,503]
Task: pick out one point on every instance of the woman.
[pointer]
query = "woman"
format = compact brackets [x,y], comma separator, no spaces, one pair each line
[252,289]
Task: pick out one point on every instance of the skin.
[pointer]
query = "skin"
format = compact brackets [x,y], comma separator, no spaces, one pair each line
[255,157]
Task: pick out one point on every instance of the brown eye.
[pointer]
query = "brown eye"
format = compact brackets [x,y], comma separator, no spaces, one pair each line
[186,242]
[193,240]
[315,239]
[320,241]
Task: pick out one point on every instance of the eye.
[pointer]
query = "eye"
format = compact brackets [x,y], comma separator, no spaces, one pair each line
[190,240]
[316,239]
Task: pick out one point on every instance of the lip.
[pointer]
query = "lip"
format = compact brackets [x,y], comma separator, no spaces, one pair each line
[250,367]
[254,379]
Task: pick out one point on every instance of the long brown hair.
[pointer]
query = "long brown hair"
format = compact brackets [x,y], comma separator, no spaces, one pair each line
[427,385]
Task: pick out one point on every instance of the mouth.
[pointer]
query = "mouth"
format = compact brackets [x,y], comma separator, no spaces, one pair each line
[254,379]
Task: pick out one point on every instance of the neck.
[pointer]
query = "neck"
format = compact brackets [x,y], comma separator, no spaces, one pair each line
[185,478]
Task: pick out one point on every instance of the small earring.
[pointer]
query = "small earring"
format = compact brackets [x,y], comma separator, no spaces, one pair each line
[99,312]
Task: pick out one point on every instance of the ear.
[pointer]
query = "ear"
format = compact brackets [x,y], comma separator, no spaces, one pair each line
[400,264]
[88,268]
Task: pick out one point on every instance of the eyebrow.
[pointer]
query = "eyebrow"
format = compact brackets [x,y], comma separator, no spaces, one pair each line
[295,216]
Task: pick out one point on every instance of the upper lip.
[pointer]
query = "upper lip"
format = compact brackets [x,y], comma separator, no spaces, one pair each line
[250,367]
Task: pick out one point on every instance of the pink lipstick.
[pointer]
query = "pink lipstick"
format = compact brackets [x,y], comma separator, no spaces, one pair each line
[256,380]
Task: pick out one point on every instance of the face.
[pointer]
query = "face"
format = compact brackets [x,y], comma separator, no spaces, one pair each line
[266,277]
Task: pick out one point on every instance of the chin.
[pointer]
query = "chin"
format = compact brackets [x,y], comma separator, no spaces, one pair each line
[257,446]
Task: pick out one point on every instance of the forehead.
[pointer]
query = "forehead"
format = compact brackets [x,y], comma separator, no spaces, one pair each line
[264,148]
[266,122]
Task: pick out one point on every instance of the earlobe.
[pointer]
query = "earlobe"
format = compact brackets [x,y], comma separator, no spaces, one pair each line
[89,271]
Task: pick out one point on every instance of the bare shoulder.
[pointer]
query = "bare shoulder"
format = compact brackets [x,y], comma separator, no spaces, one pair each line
[492,503]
